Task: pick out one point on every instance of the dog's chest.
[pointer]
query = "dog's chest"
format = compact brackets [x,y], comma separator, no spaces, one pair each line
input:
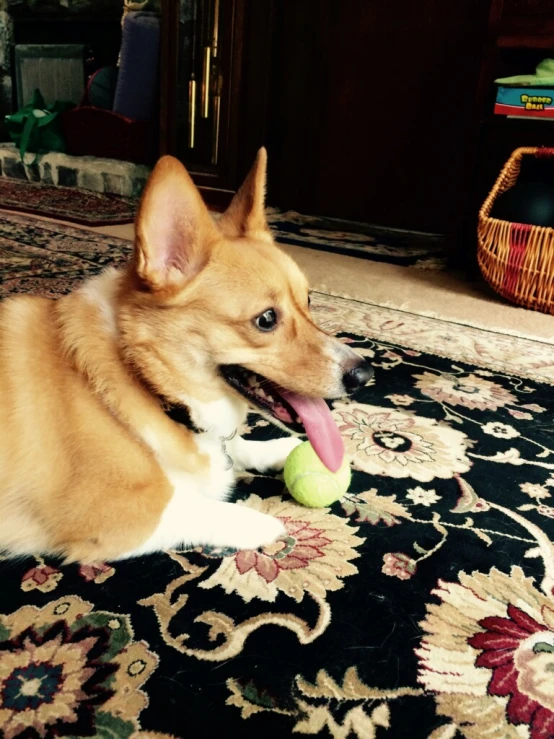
[219,424]
[220,419]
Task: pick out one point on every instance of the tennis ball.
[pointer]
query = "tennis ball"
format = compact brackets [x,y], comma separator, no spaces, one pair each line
[310,482]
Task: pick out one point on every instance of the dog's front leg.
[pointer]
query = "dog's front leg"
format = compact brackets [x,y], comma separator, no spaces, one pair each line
[263,456]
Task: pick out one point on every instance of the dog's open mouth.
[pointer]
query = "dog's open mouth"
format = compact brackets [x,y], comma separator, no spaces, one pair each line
[299,413]
[264,394]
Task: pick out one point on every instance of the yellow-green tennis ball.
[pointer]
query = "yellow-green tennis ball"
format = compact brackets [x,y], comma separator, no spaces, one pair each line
[310,482]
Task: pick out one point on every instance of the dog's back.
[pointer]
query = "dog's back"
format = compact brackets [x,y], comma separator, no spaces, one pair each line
[61,450]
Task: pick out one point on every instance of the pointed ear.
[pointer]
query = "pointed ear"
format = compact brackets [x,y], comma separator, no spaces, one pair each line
[245,215]
[174,230]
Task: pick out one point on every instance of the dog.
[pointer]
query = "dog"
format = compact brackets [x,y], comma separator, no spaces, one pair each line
[210,317]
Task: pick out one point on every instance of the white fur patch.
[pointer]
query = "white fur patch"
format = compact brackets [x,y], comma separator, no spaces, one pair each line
[263,456]
[220,418]
[196,513]
[101,291]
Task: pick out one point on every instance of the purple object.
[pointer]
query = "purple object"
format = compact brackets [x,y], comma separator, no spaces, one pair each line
[136,94]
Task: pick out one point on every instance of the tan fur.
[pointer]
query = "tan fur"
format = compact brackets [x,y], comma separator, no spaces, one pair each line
[79,384]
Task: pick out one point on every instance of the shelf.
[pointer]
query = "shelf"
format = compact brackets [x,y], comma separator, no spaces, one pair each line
[526,42]
[501,121]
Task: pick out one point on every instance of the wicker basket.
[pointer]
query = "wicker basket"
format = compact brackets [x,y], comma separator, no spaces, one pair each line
[517,259]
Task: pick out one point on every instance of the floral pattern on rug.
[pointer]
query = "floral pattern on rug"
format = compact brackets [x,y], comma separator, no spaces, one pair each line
[420,605]
[67,670]
[71,204]
[357,240]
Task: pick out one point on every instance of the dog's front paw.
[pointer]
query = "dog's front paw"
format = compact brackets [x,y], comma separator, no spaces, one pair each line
[275,453]
[259,530]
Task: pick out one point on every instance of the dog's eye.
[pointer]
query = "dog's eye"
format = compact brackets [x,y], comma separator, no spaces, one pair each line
[309,301]
[267,320]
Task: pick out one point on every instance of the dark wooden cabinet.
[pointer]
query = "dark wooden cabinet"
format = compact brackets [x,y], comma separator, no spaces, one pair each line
[372,110]
[215,69]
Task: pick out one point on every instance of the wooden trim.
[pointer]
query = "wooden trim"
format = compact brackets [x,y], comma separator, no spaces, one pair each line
[526,42]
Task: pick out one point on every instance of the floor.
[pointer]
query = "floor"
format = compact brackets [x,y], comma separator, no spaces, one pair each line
[442,293]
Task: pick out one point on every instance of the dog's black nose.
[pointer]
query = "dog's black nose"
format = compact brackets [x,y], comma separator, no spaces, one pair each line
[358,376]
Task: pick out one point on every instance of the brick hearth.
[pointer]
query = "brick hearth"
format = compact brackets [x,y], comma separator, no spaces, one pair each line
[91,173]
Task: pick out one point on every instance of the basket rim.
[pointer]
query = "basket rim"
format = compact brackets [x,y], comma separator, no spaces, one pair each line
[489,220]
[515,157]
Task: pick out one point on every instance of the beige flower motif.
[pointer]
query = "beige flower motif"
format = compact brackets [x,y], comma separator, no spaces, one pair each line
[500,430]
[420,496]
[535,491]
[313,558]
[469,391]
[488,655]
[388,442]
[400,399]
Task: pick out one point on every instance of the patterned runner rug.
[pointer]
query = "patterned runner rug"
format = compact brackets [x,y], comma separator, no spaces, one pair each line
[87,208]
[71,204]
[421,605]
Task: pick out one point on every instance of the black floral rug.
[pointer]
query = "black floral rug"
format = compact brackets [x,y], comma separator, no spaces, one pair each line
[421,605]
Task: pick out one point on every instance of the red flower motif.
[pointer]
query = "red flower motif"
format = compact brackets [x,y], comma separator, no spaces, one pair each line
[98,572]
[43,578]
[398,564]
[521,660]
[302,544]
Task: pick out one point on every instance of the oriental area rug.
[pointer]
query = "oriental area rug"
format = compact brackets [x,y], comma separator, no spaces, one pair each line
[419,606]
[87,208]
[72,204]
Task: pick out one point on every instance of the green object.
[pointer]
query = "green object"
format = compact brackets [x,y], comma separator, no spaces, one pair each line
[310,482]
[543,77]
[36,127]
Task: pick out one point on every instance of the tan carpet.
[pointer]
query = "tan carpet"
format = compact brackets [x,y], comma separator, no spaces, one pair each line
[444,294]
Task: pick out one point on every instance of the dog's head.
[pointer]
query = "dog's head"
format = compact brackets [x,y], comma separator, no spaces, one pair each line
[213,307]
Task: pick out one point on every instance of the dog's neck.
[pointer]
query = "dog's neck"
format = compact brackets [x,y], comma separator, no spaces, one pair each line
[88,344]
[88,315]
[221,418]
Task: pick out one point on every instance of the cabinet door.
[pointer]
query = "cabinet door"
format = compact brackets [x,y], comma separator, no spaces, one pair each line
[201,37]
[214,76]
[384,115]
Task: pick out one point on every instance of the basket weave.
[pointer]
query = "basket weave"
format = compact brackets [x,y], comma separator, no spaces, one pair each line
[516,259]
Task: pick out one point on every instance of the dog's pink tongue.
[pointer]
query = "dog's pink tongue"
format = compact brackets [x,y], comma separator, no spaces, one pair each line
[320,427]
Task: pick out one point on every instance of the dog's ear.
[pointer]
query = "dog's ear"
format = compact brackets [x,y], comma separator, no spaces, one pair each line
[174,230]
[245,215]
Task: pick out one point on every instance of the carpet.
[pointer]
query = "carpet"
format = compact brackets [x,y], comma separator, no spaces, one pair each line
[421,605]
[71,204]
[358,240]
[88,208]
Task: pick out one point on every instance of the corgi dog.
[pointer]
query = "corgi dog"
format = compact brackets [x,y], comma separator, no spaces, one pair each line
[210,317]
